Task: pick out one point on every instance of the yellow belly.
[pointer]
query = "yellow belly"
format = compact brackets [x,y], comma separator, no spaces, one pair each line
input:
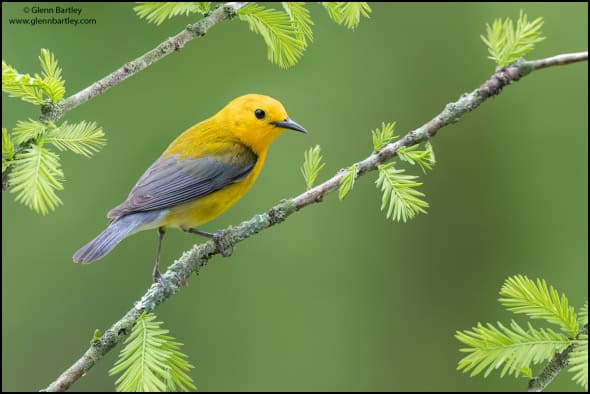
[204,209]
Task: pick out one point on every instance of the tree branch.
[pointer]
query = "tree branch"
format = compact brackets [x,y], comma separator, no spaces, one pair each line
[191,261]
[53,112]
[558,363]
[560,60]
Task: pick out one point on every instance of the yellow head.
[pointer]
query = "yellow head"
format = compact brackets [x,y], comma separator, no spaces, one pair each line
[257,120]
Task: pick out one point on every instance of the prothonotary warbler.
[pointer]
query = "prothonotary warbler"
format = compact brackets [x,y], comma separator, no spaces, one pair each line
[204,171]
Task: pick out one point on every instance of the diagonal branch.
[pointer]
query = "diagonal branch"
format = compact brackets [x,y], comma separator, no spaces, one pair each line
[55,111]
[191,261]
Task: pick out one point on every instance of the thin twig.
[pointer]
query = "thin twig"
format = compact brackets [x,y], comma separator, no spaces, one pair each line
[560,60]
[192,260]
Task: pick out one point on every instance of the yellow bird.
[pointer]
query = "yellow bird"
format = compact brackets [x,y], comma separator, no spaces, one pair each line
[204,171]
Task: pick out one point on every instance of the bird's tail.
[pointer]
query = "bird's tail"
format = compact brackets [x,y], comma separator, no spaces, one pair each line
[118,230]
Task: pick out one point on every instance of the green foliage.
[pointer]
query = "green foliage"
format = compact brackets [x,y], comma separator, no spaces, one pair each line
[49,65]
[539,301]
[158,12]
[347,13]
[286,33]
[27,130]
[383,136]
[204,7]
[284,43]
[513,347]
[300,19]
[19,85]
[37,88]
[578,362]
[152,360]
[7,150]
[506,45]
[424,158]
[399,193]
[583,314]
[52,84]
[35,178]
[83,138]
[518,349]
[312,165]
[95,336]
[347,182]
[36,174]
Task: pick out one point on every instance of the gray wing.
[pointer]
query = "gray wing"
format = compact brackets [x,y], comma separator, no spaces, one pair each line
[172,181]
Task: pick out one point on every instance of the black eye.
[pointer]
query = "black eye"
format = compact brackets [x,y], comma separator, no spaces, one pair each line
[259,114]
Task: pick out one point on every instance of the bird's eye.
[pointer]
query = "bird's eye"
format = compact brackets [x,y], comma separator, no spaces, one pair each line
[259,114]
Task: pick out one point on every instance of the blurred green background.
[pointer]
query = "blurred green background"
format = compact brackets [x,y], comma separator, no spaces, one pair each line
[337,297]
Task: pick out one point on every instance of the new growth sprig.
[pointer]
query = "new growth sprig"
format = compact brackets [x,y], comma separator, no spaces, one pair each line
[506,45]
[312,165]
[35,171]
[38,88]
[347,182]
[151,360]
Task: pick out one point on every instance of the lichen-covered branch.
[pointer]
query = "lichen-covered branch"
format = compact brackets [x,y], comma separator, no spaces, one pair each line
[53,112]
[192,260]
[557,364]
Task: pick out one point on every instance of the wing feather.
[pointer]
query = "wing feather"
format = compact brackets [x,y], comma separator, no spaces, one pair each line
[171,181]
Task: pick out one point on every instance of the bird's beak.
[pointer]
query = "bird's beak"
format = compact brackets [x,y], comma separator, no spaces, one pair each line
[289,123]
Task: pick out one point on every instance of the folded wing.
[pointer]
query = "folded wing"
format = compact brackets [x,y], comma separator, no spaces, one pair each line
[175,180]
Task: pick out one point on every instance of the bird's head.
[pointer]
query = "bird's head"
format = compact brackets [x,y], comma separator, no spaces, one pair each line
[257,120]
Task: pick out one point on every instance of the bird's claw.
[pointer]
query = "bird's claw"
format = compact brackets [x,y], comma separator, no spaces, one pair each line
[158,278]
[218,240]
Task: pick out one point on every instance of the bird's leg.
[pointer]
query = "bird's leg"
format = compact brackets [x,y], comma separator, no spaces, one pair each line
[216,237]
[156,273]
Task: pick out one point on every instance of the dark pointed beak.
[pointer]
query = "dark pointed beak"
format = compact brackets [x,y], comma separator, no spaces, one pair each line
[289,123]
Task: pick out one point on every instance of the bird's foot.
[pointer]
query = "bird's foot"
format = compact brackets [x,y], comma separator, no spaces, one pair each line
[218,239]
[158,278]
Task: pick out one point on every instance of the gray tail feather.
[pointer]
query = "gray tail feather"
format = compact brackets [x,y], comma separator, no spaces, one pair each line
[111,236]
